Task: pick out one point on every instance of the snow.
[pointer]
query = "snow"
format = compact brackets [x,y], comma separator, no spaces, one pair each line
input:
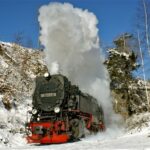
[3,63]
[114,51]
[12,125]
[95,142]
[6,43]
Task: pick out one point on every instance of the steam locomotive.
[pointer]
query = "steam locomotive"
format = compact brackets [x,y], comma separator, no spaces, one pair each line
[61,112]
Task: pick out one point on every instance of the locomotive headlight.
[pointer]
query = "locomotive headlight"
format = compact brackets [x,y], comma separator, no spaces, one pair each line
[34,111]
[46,74]
[56,109]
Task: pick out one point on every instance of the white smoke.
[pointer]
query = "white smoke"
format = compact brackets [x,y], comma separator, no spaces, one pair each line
[70,38]
[54,68]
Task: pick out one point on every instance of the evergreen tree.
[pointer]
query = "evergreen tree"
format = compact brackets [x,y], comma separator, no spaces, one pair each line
[121,63]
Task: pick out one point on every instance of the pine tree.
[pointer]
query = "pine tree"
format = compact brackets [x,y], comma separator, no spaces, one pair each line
[121,63]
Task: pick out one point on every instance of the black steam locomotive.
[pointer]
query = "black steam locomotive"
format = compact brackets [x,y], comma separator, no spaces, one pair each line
[61,112]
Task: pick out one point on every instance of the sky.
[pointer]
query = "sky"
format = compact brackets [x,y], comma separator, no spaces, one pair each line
[21,16]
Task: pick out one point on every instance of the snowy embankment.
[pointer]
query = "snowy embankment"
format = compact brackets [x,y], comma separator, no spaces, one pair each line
[12,125]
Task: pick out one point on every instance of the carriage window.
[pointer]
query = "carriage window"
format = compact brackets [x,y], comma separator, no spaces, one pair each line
[48,94]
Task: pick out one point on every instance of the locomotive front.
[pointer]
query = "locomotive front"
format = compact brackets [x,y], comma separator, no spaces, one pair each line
[47,124]
[49,93]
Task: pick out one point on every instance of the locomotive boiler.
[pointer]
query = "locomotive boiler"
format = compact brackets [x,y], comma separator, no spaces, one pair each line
[61,112]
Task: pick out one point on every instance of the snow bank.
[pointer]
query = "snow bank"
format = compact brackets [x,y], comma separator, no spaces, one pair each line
[12,125]
[138,123]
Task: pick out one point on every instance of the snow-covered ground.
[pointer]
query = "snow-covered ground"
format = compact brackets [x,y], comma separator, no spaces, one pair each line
[138,137]
[106,140]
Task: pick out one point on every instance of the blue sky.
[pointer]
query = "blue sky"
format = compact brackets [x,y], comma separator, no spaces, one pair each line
[115,17]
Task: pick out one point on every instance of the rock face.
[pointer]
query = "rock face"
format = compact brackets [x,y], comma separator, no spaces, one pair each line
[18,68]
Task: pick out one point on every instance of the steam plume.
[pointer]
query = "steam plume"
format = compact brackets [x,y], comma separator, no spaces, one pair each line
[71,42]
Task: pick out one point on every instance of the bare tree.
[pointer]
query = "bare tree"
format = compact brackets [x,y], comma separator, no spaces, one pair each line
[143,24]
[143,28]
[143,69]
[146,17]
[29,43]
[19,38]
